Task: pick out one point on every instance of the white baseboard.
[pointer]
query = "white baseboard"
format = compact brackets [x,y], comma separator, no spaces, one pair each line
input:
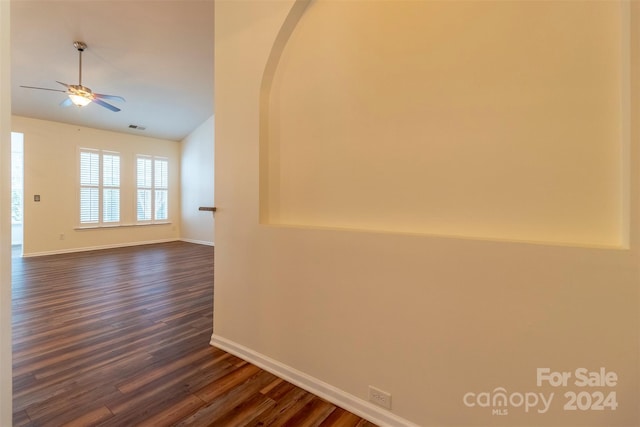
[349,402]
[96,248]
[198,242]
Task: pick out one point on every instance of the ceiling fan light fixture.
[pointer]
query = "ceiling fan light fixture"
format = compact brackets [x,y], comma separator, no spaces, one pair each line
[81,95]
[78,100]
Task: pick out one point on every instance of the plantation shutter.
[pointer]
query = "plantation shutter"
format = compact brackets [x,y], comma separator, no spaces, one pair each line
[99,187]
[144,184]
[161,181]
[152,188]
[89,187]
[111,188]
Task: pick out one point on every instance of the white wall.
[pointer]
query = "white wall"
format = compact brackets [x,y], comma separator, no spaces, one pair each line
[6,411]
[51,171]
[425,318]
[197,184]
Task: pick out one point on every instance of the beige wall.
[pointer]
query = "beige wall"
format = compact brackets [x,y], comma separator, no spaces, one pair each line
[6,413]
[51,171]
[453,118]
[196,183]
[427,318]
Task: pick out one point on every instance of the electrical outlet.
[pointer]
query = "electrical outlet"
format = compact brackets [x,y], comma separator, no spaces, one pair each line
[379,397]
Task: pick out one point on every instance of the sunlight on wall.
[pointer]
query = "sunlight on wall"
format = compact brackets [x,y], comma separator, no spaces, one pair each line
[491,120]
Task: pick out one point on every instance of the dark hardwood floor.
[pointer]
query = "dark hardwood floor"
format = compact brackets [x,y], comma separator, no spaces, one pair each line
[119,337]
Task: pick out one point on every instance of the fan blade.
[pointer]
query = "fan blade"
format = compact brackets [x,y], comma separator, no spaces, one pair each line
[44,88]
[114,97]
[105,105]
[66,103]
[63,84]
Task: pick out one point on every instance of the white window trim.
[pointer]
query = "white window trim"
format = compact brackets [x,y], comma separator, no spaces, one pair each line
[121,225]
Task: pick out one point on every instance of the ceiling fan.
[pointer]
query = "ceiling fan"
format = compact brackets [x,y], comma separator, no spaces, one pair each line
[81,95]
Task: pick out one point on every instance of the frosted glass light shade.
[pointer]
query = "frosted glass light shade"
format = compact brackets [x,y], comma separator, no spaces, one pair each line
[80,101]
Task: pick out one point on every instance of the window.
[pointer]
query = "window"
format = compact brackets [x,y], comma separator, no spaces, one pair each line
[17,190]
[17,177]
[99,187]
[153,188]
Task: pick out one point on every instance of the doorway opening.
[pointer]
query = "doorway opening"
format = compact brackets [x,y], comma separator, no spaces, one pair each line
[17,192]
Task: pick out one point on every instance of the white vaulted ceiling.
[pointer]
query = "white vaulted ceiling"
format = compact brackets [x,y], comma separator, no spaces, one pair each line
[158,55]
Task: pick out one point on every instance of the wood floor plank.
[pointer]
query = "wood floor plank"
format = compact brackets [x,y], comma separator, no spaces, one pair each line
[228,382]
[158,371]
[120,337]
[287,406]
[222,404]
[312,414]
[174,413]
[91,418]
[341,418]
[246,412]
[182,380]
[21,419]
[76,403]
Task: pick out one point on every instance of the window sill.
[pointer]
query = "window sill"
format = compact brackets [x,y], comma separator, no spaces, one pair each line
[142,224]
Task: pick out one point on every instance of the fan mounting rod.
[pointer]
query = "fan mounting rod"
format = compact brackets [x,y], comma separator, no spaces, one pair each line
[81,46]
